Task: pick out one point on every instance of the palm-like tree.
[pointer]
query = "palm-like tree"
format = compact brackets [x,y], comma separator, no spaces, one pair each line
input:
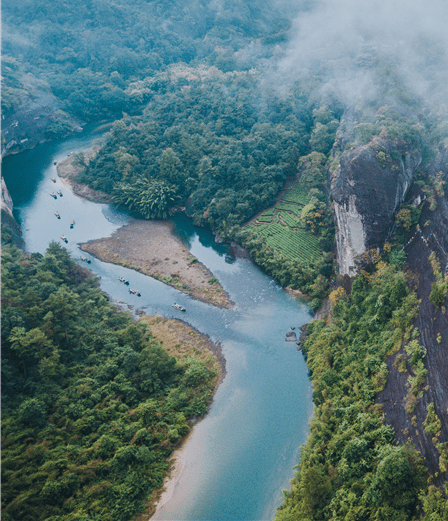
[151,198]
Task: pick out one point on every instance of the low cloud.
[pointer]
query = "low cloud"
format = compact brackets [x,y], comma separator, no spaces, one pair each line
[341,40]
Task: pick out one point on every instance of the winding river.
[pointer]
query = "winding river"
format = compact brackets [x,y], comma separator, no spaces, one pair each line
[241,455]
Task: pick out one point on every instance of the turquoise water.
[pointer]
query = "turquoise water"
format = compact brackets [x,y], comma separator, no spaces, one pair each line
[241,455]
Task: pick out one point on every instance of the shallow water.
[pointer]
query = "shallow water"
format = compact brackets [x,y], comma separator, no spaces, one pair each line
[241,455]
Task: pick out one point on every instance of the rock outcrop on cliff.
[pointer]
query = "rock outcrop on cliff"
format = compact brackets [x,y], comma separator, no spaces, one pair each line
[7,217]
[432,324]
[368,183]
[36,117]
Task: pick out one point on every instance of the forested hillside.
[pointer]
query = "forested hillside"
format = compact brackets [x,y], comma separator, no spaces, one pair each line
[89,53]
[92,405]
[213,117]
[351,466]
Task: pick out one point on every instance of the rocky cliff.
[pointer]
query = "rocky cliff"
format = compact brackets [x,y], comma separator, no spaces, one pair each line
[432,323]
[7,217]
[34,117]
[368,183]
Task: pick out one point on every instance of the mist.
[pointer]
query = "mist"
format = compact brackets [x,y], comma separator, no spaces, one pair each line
[344,42]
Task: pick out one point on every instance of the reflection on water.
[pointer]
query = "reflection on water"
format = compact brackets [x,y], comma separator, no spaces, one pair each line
[241,455]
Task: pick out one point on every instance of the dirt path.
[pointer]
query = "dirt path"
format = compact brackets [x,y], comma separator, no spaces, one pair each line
[151,248]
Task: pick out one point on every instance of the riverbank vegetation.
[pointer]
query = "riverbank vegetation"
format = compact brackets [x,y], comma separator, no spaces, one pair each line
[87,394]
[92,403]
[225,159]
[351,466]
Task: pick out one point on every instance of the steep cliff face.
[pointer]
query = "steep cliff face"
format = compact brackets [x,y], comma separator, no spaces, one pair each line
[35,117]
[432,323]
[7,217]
[368,183]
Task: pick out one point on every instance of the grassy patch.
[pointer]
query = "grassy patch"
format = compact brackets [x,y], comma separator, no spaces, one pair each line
[283,229]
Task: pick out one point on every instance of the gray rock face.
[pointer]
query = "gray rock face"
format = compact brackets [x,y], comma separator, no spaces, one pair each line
[367,188]
[291,336]
[33,118]
[6,199]
[7,217]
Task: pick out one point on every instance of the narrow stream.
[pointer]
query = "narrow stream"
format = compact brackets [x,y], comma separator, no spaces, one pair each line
[241,455]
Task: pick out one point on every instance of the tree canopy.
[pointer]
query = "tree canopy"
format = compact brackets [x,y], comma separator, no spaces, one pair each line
[92,405]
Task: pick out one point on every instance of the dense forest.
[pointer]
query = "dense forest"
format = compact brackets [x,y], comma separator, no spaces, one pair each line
[89,54]
[92,404]
[351,466]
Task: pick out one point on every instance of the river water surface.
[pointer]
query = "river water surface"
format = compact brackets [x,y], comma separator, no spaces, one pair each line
[241,455]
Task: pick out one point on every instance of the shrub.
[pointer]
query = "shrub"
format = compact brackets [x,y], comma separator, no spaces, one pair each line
[438,293]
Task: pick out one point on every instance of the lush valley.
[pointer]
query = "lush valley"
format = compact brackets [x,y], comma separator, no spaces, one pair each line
[344,200]
[92,403]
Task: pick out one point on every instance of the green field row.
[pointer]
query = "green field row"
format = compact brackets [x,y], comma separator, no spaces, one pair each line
[296,209]
[291,220]
[297,194]
[293,244]
[281,226]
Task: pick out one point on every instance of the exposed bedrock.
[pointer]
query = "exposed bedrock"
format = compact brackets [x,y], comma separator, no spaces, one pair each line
[7,217]
[432,323]
[37,117]
[367,188]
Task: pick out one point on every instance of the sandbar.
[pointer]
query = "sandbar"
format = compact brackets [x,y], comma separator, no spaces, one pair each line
[150,247]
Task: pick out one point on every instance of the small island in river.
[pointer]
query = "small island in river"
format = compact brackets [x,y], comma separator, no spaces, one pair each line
[146,246]
[151,248]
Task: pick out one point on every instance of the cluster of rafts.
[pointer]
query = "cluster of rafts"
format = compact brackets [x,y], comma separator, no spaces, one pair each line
[138,294]
[85,259]
[57,214]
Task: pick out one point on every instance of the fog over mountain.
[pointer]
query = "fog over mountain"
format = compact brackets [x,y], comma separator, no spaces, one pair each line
[344,40]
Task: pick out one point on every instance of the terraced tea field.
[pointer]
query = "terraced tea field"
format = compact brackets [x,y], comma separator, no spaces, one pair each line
[298,194]
[281,226]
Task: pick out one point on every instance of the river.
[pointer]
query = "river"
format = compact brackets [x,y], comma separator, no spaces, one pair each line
[241,455]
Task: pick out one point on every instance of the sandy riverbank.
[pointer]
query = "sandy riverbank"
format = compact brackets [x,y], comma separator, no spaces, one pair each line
[180,340]
[151,248]
[68,170]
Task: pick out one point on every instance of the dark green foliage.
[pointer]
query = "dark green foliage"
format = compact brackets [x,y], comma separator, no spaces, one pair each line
[220,156]
[12,86]
[350,467]
[92,405]
[91,53]
[151,199]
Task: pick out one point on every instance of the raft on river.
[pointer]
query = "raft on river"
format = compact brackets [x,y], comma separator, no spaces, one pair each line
[134,292]
[64,238]
[179,307]
[122,279]
[57,215]
[85,259]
